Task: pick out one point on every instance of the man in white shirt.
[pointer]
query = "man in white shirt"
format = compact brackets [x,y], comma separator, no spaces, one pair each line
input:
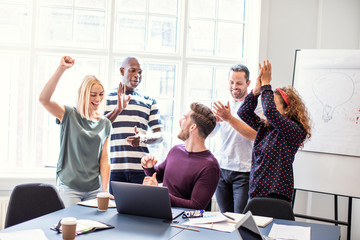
[234,155]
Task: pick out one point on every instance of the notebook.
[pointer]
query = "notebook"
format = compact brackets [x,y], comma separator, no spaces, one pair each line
[84,226]
[248,230]
[143,200]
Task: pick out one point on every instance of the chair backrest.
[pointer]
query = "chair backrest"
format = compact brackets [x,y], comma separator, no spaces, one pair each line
[208,207]
[270,207]
[31,200]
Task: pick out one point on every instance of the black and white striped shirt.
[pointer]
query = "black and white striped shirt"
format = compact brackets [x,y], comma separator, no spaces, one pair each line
[142,112]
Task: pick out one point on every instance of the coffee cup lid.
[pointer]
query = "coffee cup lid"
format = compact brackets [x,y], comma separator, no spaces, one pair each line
[68,221]
[103,195]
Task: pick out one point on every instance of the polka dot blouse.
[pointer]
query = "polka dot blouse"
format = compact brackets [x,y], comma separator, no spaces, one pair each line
[274,148]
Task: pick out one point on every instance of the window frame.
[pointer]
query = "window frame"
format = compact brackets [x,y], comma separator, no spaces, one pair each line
[180,57]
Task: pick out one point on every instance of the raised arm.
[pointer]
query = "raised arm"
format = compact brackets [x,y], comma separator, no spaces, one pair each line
[287,127]
[247,110]
[122,102]
[45,96]
[223,112]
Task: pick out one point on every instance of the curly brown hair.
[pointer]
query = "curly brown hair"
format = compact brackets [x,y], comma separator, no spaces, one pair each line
[296,111]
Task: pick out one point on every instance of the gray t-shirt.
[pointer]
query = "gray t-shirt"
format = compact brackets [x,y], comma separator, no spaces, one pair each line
[81,143]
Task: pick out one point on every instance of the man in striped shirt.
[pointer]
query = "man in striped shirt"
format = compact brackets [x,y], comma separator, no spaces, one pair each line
[131,113]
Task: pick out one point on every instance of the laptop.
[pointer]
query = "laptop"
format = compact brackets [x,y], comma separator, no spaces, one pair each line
[143,200]
[248,230]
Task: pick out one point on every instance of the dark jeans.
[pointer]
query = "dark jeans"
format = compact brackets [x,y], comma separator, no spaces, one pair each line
[130,177]
[232,192]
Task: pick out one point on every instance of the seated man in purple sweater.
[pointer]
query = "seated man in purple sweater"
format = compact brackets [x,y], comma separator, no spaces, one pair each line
[190,171]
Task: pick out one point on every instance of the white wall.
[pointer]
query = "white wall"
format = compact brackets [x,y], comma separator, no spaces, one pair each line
[287,25]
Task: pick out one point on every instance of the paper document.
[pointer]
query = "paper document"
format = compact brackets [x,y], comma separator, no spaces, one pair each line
[279,231]
[93,203]
[83,224]
[217,221]
[33,234]
[259,220]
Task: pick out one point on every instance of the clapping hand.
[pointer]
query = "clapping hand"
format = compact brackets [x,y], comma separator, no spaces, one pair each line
[222,112]
[256,90]
[148,161]
[152,181]
[264,77]
[266,73]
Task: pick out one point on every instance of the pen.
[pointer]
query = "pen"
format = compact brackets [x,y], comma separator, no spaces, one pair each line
[90,229]
[229,217]
[192,229]
[57,228]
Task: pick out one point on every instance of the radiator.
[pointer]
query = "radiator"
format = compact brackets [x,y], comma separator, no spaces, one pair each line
[4,201]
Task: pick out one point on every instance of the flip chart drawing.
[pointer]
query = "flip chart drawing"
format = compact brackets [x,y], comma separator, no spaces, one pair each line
[329,83]
[327,94]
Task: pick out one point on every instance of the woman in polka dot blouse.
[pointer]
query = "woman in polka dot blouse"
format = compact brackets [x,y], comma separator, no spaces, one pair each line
[279,136]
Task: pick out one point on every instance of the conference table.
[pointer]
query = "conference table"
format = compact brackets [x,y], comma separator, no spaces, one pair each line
[138,227]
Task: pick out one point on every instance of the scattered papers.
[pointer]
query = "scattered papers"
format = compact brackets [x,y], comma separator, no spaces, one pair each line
[219,226]
[217,221]
[33,234]
[279,231]
[93,203]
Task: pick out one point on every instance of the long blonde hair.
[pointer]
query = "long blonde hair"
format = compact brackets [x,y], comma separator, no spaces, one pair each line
[296,110]
[83,99]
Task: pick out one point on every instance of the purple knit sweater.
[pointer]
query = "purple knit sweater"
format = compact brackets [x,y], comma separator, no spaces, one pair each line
[191,177]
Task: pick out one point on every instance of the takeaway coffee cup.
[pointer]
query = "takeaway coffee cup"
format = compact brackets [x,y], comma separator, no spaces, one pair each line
[103,201]
[68,226]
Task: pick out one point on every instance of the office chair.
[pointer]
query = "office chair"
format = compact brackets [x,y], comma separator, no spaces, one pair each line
[32,200]
[270,207]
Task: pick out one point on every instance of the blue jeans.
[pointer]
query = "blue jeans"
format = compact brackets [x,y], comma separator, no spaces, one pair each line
[232,192]
[130,177]
[71,196]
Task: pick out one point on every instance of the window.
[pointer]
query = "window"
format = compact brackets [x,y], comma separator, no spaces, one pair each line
[186,48]
[15,21]
[14,69]
[72,24]
[216,28]
[149,26]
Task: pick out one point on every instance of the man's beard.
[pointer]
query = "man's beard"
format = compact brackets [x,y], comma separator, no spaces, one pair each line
[184,135]
[237,96]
